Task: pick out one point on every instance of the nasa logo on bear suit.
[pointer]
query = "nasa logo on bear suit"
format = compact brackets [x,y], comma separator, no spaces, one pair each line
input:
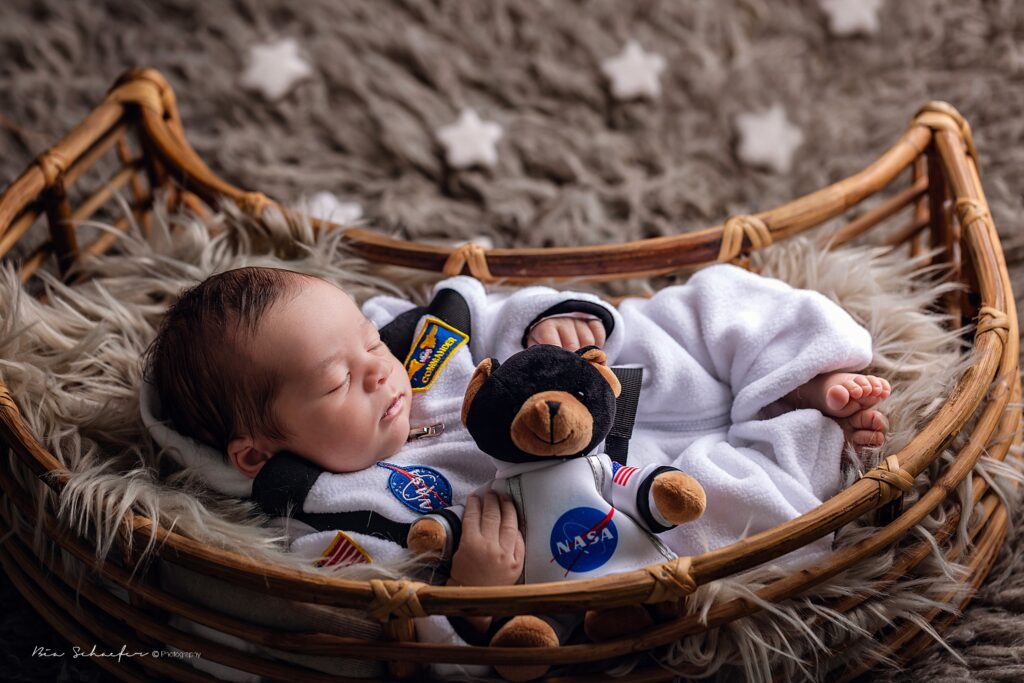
[583,539]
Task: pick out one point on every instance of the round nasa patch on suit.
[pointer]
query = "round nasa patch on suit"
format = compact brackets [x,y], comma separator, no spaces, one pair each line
[420,488]
[583,539]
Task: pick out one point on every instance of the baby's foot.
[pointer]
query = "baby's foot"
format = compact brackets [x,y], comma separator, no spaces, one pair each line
[865,429]
[842,394]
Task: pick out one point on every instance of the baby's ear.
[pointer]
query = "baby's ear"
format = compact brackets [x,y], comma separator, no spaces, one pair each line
[246,456]
[597,358]
[480,375]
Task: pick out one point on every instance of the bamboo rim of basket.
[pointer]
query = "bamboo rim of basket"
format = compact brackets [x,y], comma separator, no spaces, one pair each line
[937,126]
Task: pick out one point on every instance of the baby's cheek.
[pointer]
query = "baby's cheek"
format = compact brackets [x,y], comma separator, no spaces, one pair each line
[403,376]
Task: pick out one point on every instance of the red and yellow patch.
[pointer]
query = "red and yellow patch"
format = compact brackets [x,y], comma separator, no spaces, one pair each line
[343,551]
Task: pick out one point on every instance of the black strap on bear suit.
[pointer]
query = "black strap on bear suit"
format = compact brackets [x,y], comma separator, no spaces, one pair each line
[616,444]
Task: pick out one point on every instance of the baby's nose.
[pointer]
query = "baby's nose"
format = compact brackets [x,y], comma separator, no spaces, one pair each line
[378,375]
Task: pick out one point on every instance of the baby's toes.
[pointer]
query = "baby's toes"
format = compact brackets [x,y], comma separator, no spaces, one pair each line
[867,438]
[858,385]
[872,387]
[837,398]
[879,386]
[871,420]
[866,429]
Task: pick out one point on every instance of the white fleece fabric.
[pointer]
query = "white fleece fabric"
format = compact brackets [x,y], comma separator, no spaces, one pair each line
[718,353]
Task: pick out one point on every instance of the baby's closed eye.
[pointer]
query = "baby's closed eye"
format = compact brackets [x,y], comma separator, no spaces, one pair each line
[348,378]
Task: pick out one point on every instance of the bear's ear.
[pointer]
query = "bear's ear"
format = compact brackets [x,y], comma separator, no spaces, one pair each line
[597,358]
[480,375]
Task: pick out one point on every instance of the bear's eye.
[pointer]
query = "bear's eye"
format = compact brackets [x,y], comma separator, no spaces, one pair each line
[580,394]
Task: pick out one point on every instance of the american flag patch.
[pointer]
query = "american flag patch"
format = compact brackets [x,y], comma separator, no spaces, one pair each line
[623,475]
[343,551]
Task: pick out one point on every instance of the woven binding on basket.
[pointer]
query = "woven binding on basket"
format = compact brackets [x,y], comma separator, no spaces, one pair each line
[395,598]
[893,480]
[738,227]
[993,320]
[472,254]
[144,93]
[971,210]
[941,116]
[672,580]
[52,163]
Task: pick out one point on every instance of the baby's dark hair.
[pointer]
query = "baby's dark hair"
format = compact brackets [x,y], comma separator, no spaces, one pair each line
[208,388]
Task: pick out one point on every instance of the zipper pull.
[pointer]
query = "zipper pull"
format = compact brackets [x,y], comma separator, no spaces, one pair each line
[426,432]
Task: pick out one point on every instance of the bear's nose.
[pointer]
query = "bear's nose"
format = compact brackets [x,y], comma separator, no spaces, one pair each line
[552,416]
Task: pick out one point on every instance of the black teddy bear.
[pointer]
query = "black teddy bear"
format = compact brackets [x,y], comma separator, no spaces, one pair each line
[539,415]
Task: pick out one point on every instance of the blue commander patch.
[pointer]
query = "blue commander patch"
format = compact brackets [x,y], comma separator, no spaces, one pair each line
[583,539]
[438,341]
[420,488]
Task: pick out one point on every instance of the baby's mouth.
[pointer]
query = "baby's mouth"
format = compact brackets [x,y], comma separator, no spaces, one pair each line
[394,407]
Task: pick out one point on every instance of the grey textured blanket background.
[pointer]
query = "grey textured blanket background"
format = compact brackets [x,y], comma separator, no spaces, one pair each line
[574,167]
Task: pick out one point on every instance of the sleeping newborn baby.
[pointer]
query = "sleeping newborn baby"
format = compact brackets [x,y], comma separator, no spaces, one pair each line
[347,421]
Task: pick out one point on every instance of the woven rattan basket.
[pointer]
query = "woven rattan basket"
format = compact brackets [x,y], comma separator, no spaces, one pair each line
[944,205]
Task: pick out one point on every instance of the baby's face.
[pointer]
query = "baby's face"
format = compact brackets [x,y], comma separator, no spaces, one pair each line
[344,399]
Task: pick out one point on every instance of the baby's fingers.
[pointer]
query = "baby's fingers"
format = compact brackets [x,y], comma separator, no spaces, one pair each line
[509,524]
[471,515]
[569,339]
[583,333]
[519,553]
[544,333]
[490,518]
[597,330]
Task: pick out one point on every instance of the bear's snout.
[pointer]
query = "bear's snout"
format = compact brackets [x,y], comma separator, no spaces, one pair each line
[552,423]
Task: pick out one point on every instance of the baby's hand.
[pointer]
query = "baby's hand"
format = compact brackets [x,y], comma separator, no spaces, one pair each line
[569,333]
[491,549]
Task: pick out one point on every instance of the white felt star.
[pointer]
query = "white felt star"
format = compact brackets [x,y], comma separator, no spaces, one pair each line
[633,72]
[470,141]
[768,139]
[326,206]
[275,68]
[849,17]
